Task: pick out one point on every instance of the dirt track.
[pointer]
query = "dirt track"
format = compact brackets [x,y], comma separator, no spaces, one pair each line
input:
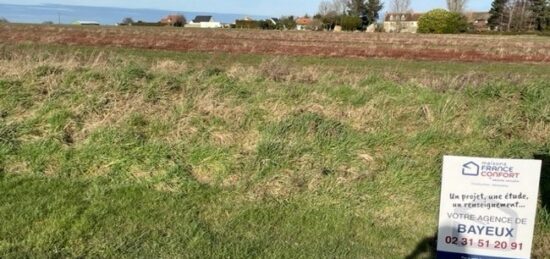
[362,45]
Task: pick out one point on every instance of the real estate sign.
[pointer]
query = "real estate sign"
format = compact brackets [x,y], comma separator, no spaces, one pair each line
[487,207]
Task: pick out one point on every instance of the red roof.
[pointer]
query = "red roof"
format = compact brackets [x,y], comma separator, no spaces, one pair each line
[303,21]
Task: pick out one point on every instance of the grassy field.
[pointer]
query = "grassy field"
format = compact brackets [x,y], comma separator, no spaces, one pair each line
[108,152]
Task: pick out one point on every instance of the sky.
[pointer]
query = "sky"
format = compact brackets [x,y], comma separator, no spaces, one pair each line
[274,8]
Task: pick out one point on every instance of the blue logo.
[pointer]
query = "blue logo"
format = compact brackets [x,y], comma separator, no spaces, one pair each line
[471,169]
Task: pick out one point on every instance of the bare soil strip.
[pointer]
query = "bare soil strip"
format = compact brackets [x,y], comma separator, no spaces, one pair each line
[360,45]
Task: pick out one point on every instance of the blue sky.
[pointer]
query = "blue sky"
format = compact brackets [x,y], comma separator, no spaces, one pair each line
[258,7]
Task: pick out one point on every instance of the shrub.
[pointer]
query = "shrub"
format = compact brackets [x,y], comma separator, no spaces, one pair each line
[456,23]
[287,23]
[259,24]
[351,23]
[175,20]
[127,20]
[267,25]
[180,21]
[247,24]
[442,21]
[316,25]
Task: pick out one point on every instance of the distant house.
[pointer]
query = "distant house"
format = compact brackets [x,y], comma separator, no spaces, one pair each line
[203,21]
[401,22]
[274,21]
[303,23]
[479,21]
[87,23]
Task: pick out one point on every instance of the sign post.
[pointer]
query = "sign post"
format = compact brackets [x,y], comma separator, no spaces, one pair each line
[487,208]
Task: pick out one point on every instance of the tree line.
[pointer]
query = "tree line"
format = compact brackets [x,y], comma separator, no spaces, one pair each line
[359,14]
[520,15]
[349,14]
[506,15]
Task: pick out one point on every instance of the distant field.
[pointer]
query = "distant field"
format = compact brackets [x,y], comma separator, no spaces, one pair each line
[403,46]
[123,152]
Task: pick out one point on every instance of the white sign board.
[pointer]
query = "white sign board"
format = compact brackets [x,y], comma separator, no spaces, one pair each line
[487,207]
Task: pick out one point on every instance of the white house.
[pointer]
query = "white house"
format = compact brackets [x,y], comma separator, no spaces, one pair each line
[401,22]
[203,21]
[303,23]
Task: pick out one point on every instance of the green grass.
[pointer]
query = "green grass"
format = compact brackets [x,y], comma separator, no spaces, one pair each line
[126,153]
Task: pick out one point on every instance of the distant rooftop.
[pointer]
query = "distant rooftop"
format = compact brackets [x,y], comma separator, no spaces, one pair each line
[404,17]
[303,21]
[87,22]
[202,18]
[477,16]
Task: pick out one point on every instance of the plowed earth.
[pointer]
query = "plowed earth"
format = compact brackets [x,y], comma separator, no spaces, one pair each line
[329,44]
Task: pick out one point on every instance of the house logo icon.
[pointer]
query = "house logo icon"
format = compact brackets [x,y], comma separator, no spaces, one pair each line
[471,169]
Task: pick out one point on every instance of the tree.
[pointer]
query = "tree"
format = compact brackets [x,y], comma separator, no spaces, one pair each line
[442,21]
[175,20]
[287,22]
[4,20]
[180,21]
[341,11]
[330,20]
[315,25]
[340,6]
[357,8]
[367,10]
[325,7]
[456,6]
[539,13]
[330,12]
[128,20]
[518,16]
[400,6]
[47,23]
[498,8]
[508,15]
[523,22]
[373,8]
